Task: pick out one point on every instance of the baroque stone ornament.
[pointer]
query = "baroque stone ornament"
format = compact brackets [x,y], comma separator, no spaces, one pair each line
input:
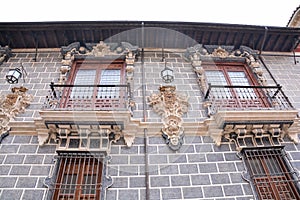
[11,105]
[170,106]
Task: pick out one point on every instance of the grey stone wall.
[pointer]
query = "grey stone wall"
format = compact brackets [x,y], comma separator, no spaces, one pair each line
[23,167]
[40,73]
[199,170]
[287,73]
[185,81]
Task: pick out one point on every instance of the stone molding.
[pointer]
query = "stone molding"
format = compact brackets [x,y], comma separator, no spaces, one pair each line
[122,126]
[254,125]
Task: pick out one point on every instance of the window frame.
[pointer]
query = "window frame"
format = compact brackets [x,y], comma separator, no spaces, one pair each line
[271,173]
[98,66]
[80,164]
[225,68]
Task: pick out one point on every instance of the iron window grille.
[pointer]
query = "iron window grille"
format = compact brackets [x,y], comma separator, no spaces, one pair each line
[79,175]
[271,173]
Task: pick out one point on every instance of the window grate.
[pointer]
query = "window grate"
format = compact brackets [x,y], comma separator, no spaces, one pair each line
[271,173]
[79,176]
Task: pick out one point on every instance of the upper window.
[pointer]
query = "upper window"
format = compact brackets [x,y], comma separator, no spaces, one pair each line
[94,85]
[271,173]
[233,86]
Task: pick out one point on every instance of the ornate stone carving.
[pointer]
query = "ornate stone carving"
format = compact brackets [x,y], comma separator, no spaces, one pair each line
[4,54]
[255,135]
[170,106]
[220,52]
[13,104]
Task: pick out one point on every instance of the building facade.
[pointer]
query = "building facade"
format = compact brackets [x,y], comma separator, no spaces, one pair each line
[156,110]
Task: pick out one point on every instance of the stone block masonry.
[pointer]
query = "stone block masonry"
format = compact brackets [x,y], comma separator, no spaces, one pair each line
[23,167]
[190,173]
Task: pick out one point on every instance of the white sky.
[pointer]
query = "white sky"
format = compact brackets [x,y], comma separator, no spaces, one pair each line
[253,12]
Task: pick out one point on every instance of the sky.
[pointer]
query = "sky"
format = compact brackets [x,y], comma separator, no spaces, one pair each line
[253,12]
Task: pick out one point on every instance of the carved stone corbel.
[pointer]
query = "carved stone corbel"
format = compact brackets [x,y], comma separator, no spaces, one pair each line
[170,106]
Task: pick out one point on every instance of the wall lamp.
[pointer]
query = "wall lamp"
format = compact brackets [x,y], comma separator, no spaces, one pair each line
[167,73]
[13,75]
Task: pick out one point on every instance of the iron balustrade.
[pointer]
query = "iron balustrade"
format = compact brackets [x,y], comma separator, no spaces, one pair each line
[225,97]
[88,97]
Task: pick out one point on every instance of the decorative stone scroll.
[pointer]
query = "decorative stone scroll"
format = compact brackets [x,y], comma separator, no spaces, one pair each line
[170,106]
[11,105]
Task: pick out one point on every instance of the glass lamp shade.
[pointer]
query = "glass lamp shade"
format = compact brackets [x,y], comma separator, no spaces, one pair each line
[167,75]
[13,75]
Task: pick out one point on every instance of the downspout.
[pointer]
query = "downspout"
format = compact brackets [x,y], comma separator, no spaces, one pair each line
[145,119]
[264,40]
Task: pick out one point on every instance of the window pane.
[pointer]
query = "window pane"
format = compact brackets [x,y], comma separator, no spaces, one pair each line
[84,77]
[240,79]
[215,77]
[109,77]
[218,78]
[89,184]
[69,183]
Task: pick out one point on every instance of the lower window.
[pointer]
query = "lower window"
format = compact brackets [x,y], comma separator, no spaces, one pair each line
[79,176]
[271,173]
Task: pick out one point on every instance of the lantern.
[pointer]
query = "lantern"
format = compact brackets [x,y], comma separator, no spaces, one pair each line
[13,75]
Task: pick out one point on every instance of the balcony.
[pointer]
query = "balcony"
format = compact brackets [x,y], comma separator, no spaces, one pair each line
[229,98]
[87,97]
[248,111]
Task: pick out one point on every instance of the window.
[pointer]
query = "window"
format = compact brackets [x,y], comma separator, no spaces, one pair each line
[271,173]
[94,85]
[233,85]
[79,176]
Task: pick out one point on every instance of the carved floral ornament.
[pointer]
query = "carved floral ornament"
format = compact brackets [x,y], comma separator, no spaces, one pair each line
[170,106]
[13,104]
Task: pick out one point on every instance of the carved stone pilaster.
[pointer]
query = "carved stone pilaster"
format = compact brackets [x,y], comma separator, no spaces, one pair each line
[170,106]
[13,104]
[130,59]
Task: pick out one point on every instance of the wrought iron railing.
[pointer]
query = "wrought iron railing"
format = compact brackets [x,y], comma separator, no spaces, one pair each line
[222,97]
[87,97]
